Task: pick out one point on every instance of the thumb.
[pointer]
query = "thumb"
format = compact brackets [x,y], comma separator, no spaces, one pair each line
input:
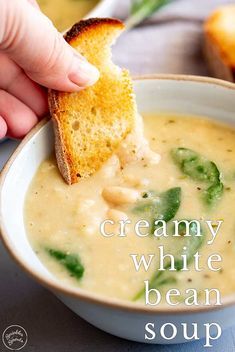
[31,40]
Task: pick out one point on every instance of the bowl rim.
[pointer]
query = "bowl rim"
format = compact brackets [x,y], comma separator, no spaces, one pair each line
[91,297]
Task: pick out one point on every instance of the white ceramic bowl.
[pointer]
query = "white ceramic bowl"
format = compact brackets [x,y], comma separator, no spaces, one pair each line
[178,94]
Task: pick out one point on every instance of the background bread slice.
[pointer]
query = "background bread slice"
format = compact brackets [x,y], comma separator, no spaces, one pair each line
[90,125]
[219,32]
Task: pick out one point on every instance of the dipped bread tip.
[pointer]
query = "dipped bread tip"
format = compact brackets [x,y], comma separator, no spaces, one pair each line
[90,125]
[219,42]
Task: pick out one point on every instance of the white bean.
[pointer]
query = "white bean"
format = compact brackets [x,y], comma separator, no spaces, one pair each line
[132,180]
[120,195]
[111,167]
[144,182]
[136,181]
[85,205]
[152,157]
[116,215]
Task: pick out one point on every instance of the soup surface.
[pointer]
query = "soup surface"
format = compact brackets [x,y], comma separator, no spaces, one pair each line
[64,13]
[185,170]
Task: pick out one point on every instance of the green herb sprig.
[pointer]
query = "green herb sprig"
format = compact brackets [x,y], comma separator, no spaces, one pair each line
[142,9]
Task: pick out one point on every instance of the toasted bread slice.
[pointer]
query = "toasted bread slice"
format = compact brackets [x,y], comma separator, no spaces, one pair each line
[90,125]
[219,31]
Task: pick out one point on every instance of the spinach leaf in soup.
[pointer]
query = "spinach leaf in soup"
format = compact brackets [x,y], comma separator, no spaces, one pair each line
[213,193]
[71,262]
[163,206]
[193,243]
[200,169]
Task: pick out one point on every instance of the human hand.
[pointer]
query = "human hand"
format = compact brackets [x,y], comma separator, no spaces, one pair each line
[33,54]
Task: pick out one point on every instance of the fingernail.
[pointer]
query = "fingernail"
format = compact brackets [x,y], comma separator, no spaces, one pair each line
[83,74]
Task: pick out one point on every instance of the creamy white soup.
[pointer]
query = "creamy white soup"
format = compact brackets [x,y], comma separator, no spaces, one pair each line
[183,169]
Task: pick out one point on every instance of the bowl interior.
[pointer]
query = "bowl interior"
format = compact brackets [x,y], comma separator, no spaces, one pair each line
[153,95]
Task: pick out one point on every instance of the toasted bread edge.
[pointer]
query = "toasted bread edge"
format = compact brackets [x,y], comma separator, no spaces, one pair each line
[64,161]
